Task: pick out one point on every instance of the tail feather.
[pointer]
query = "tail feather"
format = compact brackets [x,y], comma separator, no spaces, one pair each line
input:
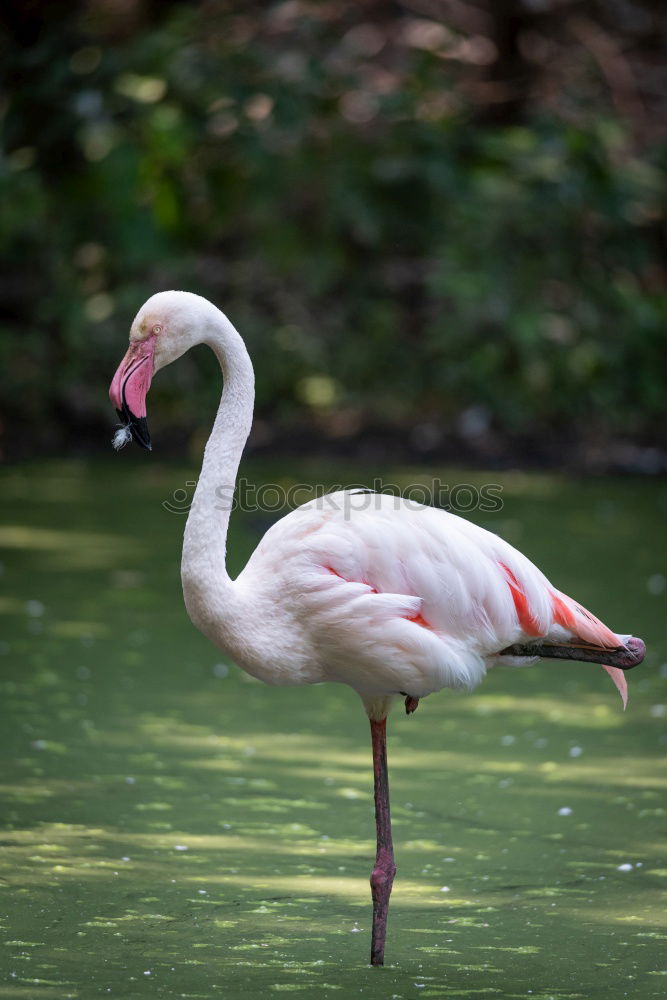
[618,677]
[582,623]
[588,628]
[573,633]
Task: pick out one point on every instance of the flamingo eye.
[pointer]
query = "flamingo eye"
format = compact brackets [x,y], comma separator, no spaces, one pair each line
[157,328]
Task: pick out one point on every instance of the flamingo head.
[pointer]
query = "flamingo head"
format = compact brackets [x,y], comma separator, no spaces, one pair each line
[165,327]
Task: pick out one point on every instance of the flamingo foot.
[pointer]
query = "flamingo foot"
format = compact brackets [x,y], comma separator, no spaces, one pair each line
[382,880]
[411,704]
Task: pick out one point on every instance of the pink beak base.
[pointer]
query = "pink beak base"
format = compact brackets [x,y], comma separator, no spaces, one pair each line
[130,386]
[133,377]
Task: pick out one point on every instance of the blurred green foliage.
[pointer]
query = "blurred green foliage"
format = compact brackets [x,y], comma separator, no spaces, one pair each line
[336,178]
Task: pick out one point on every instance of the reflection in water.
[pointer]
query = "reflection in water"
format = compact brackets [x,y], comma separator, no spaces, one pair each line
[173,830]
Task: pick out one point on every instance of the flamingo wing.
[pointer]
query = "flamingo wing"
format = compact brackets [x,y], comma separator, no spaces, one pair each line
[401,597]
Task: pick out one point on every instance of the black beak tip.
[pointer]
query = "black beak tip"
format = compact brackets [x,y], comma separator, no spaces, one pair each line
[140,433]
[138,427]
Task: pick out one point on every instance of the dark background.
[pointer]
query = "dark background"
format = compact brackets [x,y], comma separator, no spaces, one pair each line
[438,224]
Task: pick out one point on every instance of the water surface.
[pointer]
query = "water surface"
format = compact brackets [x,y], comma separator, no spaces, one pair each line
[172,828]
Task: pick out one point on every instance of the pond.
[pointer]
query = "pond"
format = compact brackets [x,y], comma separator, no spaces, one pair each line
[172,828]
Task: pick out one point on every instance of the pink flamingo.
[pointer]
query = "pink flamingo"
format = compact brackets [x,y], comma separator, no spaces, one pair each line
[393,598]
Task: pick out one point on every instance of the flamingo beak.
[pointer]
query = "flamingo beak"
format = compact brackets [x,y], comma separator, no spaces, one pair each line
[129,388]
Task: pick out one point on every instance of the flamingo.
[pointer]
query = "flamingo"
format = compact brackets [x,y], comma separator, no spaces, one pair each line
[394,598]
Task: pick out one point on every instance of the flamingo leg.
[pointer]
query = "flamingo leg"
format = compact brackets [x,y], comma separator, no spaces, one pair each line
[382,876]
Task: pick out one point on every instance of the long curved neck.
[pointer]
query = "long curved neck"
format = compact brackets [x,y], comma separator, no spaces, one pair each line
[206,584]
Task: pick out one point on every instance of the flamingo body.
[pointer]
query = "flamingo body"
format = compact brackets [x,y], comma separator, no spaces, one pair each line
[391,597]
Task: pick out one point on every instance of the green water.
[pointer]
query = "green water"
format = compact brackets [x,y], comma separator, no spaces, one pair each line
[174,829]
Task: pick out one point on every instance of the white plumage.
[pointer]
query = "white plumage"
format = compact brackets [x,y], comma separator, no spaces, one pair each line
[352,575]
[122,436]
